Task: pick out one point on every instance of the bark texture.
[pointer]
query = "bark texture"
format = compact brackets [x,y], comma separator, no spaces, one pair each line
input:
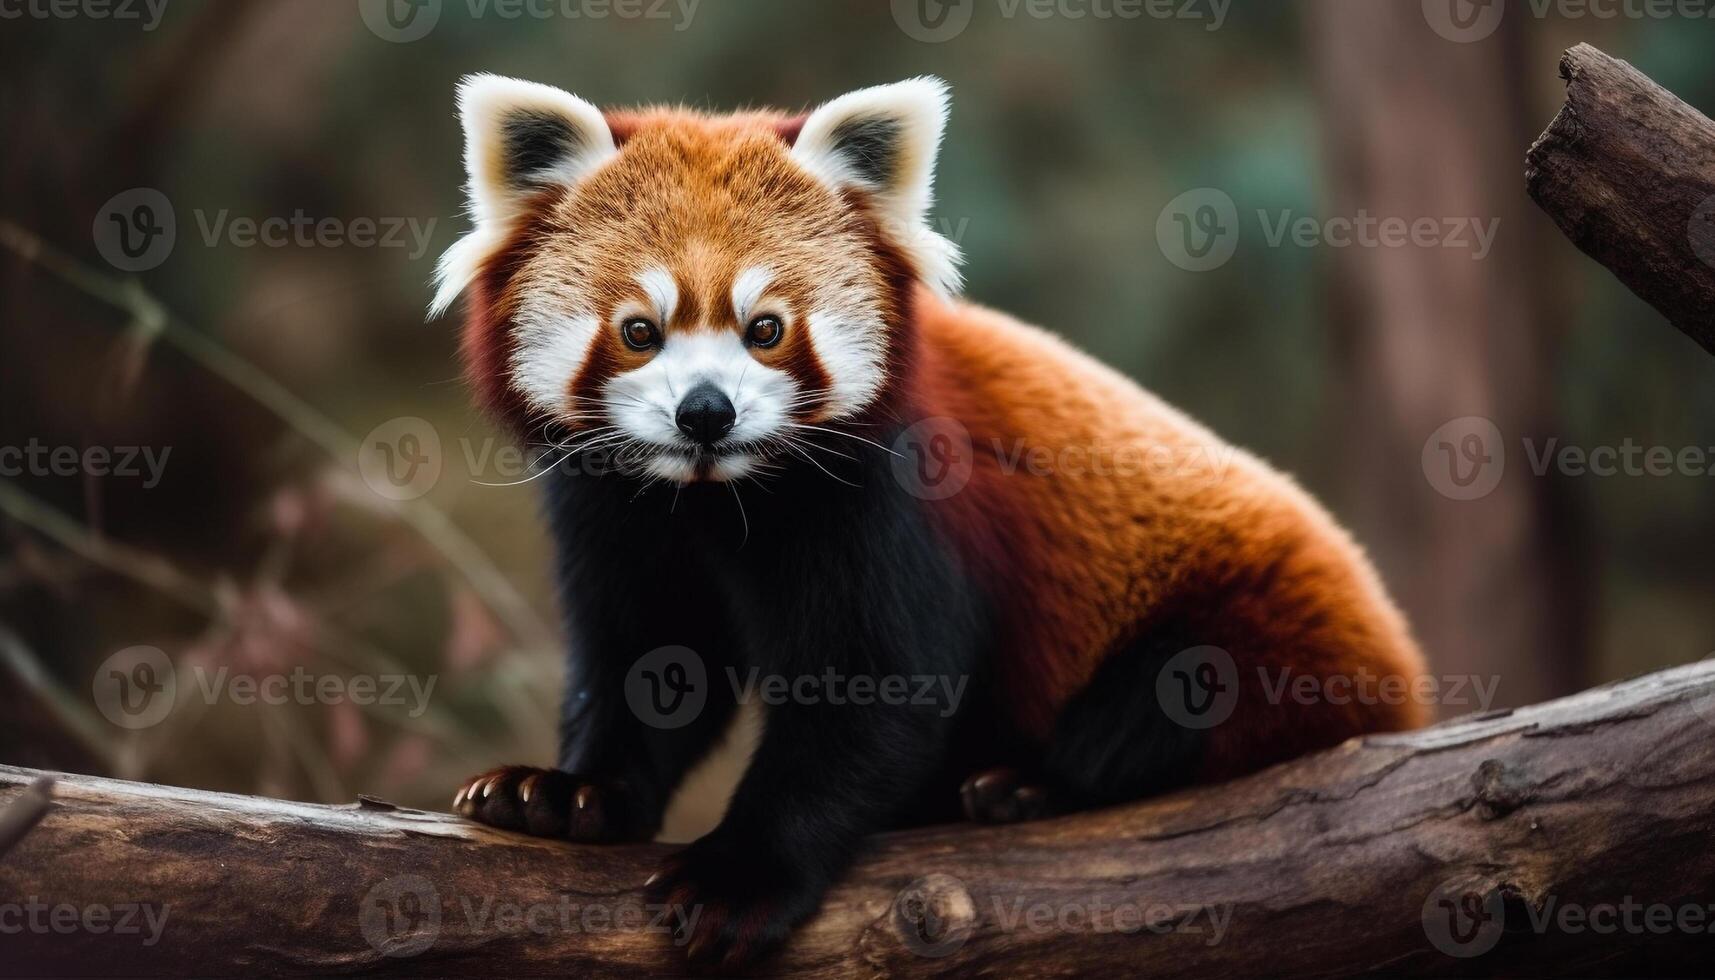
[1387,854]
[1627,171]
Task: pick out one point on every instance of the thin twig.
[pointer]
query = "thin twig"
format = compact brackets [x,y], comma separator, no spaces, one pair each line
[150,317]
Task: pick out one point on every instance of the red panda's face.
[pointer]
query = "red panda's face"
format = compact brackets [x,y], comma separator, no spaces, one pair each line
[695,293]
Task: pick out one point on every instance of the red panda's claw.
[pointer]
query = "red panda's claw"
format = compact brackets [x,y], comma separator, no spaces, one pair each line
[1002,796]
[547,803]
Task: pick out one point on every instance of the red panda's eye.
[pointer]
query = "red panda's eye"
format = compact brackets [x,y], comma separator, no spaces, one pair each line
[764,331]
[640,334]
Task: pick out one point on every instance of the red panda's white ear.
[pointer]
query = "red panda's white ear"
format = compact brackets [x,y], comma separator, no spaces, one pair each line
[520,138]
[883,141]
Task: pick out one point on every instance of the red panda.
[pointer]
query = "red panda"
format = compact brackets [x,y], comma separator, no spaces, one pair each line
[755,304]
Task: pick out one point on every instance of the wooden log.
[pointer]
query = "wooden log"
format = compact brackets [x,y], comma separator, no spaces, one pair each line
[1627,171]
[1551,839]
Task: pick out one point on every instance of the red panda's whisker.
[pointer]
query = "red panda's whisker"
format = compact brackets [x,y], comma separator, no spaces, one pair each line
[733,486]
[807,444]
[848,435]
[812,461]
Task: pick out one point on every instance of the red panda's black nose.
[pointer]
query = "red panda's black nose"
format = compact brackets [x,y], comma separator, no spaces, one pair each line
[706,414]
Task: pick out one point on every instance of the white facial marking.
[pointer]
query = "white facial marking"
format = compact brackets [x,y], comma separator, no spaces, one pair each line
[747,290]
[644,402]
[551,341]
[851,344]
[663,293]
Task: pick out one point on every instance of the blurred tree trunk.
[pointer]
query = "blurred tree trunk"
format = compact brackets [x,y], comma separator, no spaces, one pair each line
[1420,126]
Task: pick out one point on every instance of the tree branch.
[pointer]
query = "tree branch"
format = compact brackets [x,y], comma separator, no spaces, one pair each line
[1333,864]
[1628,173]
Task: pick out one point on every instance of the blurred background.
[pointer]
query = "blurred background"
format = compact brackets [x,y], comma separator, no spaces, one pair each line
[142,314]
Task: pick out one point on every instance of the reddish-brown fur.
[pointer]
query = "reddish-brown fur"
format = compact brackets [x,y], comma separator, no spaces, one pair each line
[1081,561]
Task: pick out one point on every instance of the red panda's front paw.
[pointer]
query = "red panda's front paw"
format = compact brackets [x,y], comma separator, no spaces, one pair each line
[736,902]
[550,803]
[1002,796]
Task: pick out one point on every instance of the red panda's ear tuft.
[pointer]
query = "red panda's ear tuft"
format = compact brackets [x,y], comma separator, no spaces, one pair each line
[883,141]
[520,139]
